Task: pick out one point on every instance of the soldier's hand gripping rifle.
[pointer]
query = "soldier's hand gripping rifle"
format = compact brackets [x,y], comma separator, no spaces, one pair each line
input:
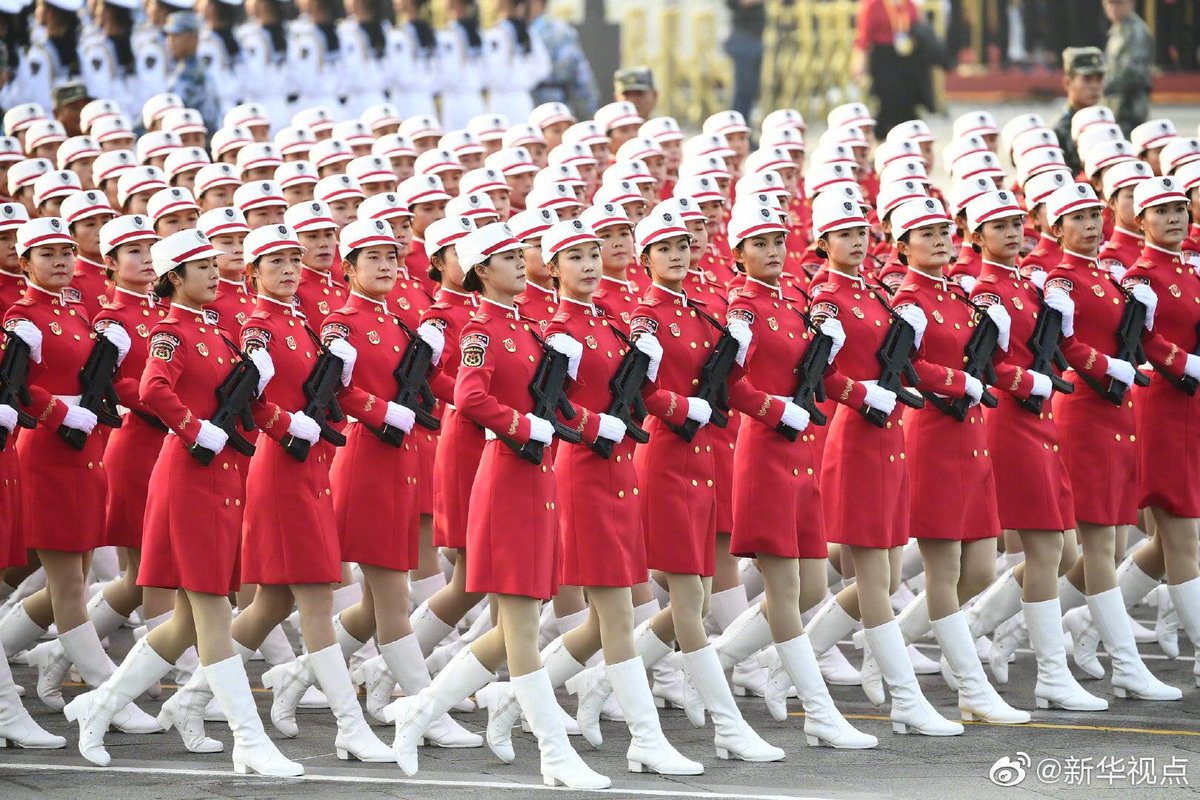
[810,389]
[414,392]
[1184,384]
[14,382]
[1047,354]
[626,390]
[895,362]
[548,389]
[233,407]
[714,380]
[977,362]
[99,395]
[320,390]
[1129,348]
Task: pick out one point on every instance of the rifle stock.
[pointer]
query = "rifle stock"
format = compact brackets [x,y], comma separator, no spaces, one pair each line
[14,385]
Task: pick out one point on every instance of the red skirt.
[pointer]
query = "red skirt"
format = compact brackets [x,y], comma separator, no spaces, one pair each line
[459,448]
[952,491]
[193,523]
[600,517]
[129,459]
[512,529]
[375,500]
[1033,489]
[724,440]
[288,533]
[12,522]
[426,442]
[864,482]
[680,511]
[1099,447]
[776,505]
[63,491]
[1169,448]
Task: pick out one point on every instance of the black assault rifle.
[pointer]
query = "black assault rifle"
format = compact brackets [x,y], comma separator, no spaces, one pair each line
[233,406]
[320,390]
[99,395]
[811,368]
[714,380]
[977,362]
[626,390]
[1047,355]
[1129,348]
[895,361]
[412,377]
[14,385]
[548,389]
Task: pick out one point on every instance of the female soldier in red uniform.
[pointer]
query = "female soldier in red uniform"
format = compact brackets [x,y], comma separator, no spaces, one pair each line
[1099,438]
[375,482]
[775,484]
[1033,489]
[1126,244]
[1169,452]
[292,550]
[864,480]
[132,449]
[599,514]
[226,228]
[63,527]
[193,519]
[616,294]
[952,489]
[320,292]
[511,527]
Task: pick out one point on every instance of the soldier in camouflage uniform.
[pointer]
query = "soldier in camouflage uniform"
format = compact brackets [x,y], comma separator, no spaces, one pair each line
[188,78]
[1130,51]
[571,80]
[1083,80]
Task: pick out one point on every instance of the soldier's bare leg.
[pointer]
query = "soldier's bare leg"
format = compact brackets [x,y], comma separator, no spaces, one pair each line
[781,593]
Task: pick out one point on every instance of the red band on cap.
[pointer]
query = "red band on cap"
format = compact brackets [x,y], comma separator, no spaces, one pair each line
[376,176]
[132,236]
[81,213]
[301,178]
[451,239]
[308,223]
[536,229]
[418,198]
[374,239]
[235,227]
[674,231]
[1170,196]
[762,228]
[141,187]
[487,251]
[274,200]
[927,219]
[571,240]
[604,223]
[284,243]
[1087,201]
[170,208]
[995,212]
[989,171]
[184,256]
[856,220]
[904,199]
[60,238]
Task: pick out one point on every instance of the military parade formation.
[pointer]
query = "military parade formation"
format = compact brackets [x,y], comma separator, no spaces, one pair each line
[479,399]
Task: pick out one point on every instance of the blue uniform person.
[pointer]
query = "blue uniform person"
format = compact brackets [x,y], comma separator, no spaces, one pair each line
[188,77]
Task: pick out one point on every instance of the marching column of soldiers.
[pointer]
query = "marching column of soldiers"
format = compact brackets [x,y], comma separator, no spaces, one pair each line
[483,410]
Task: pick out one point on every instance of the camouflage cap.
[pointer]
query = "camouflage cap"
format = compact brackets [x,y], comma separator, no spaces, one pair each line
[1083,60]
[68,93]
[633,79]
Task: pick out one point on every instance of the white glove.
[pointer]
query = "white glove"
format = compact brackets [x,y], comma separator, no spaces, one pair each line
[8,418]
[31,335]
[834,330]
[539,429]
[648,343]
[432,335]
[740,331]
[304,427]
[1041,384]
[1118,270]
[1120,370]
[999,315]
[210,437]
[346,352]
[914,316]
[967,282]
[611,428]
[398,416]
[699,410]
[261,360]
[1061,302]
[569,347]
[794,416]
[1038,278]
[974,389]
[1146,296]
[1191,367]
[80,419]
[879,398]
[120,339]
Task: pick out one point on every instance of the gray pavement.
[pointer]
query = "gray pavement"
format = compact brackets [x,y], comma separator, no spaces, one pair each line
[1132,749]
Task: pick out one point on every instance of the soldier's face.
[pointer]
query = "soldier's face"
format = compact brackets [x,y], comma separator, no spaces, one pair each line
[578,270]
[762,256]
[216,197]
[928,247]
[846,248]
[402,230]
[1084,91]
[231,263]
[616,247]
[668,261]
[1117,10]
[698,228]
[1001,239]
[374,271]
[1165,225]
[50,266]
[178,221]
[8,250]
[1080,231]
[279,274]
[300,193]
[132,266]
[86,233]
[502,203]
